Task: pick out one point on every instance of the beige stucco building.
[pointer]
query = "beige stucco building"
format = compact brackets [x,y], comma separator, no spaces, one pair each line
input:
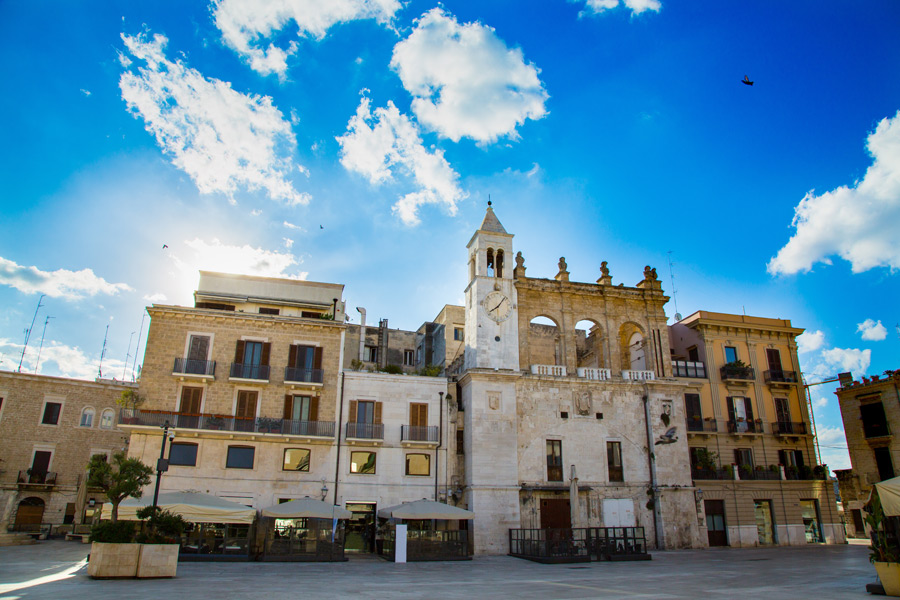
[50,427]
[751,444]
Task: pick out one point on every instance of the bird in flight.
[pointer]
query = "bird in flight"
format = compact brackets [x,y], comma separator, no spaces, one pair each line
[746,81]
[669,437]
[165,246]
[321,227]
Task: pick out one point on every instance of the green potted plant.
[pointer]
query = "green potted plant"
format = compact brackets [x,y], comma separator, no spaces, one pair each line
[884,552]
[160,540]
[130,400]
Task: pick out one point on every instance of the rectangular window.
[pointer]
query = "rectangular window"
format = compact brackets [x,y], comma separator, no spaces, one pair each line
[418,464]
[458,333]
[198,354]
[782,413]
[190,400]
[51,413]
[884,462]
[183,454]
[874,421]
[773,357]
[409,358]
[693,354]
[554,460]
[362,462]
[87,417]
[296,459]
[614,461]
[365,412]
[40,464]
[301,408]
[418,414]
[460,441]
[371,354]
[693,413]
[730,354]
[240,457]
[269,311]
[308,314]
[743,457]
[740,415]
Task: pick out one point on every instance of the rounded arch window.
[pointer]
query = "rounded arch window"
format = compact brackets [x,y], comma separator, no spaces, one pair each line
[87,417]
[106,419]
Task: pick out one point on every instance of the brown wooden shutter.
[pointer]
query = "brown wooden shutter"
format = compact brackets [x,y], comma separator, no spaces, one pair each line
[239,352]
[352,417]
[782,460]
[314,408]
[418,414]
[288,407]
[748,406]
[773,357]
[730,402]
[266,348]
[317,358]
[378,413]
[292,356]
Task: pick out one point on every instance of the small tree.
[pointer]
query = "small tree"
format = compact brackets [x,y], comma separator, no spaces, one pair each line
[130,399]
[119,479]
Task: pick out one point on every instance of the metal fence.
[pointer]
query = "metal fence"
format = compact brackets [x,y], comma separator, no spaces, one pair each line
[579,544]
[429,545]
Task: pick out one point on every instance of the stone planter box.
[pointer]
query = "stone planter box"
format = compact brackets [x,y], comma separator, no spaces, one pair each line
[115,561]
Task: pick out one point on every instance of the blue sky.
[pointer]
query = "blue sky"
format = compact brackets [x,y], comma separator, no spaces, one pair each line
[357,142]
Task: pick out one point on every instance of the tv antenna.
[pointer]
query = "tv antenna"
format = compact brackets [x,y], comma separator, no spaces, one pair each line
[37,366]
[674,291]
[127,356]
[28,332]
[138,345]
[102,354]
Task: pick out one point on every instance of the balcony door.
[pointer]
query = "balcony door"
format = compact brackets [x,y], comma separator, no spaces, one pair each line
[245,410]
[782,412]
[740,413]
[693,413]
[715,522]
[189,411]
[773,356]
[198,354]
[40,464]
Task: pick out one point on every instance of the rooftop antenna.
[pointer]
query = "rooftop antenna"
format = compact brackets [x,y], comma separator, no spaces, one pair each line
[102,354]
[674,291]
[37,366]
[28,332]
[127,355]
[140,331]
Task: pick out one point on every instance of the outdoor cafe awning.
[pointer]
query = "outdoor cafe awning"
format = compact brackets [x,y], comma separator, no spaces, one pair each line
[306,508]
[889,492]
[426,510]
[195,507]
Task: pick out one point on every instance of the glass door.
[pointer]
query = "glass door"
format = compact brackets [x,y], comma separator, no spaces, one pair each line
[360,534]
[764,522]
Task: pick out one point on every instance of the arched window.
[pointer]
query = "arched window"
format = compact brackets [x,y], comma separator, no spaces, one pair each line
[106,419]
[636,352]
[490,262]
[87,417]
[499,268]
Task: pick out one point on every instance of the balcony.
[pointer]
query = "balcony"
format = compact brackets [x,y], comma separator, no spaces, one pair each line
[212,422]
[685,368]
[594,374]
[760,473]
[710,474]
[805,473]
[788,428]
[741,426]
[365,431]
[876,429]
[780,377]
[702,425]
[250,372]
[190,367]
[418,434]
[30,477]
[554,370]
[295,375]
[638,376]
[732,372]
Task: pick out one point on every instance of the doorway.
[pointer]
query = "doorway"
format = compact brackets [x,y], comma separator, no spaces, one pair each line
[360,534]
[715,522]
[30,512]
[811,521]
[555,513]
[762,510]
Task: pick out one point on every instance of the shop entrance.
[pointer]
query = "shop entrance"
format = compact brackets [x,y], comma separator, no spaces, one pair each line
[360,534]
[715,522]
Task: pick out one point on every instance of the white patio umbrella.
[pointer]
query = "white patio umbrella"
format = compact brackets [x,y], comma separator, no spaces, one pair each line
[195,507]
[308,508]
[426,509]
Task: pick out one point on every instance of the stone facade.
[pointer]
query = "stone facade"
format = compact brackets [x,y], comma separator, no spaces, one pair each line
[43,463]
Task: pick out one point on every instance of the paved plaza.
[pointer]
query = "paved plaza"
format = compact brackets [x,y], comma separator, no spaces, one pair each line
[56,570]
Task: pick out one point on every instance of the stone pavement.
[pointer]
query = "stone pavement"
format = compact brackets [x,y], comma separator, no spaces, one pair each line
[55,569]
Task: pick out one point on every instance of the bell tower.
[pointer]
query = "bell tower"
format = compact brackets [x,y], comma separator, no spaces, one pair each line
[492,324]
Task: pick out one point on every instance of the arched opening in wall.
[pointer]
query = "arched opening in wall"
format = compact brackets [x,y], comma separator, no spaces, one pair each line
[632,347]
[499,260]
[472,268]
[589,344]
[544,341]
[490,262]
[30,511]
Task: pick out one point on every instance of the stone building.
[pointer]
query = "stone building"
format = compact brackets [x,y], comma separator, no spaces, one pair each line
[870,410]
[752,450]
[50,427]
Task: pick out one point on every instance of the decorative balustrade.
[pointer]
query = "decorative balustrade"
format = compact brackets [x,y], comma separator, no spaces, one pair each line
[554,370]
[638,376]
[594,374]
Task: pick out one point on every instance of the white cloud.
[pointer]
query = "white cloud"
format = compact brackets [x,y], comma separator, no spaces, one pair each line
[392,143]
[60,359]
[241,260]
[246,24]
[831,435]
[222,139]
[871,330]
[288,242]
[635,6]
[810,341]
[292,226]
[87,93]
[858,222]
[62,283]
[155,298]
[464,80]
[256,212]
[847,359]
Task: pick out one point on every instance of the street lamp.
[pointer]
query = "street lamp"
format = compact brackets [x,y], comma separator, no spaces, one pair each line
[162,465]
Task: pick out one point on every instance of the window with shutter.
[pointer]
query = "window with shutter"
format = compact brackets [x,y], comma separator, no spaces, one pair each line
[418,414]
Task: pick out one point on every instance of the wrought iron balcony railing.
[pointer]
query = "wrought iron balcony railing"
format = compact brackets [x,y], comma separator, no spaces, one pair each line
[365,431]
[734,372]
[780,376]
[213,422]
[743,426]
[189,366]
[414,433]
[702,425]
[243,371]
[299,375]
[788,428]
[32,477]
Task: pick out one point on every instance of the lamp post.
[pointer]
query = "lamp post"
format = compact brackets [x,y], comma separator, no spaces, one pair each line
[162,465]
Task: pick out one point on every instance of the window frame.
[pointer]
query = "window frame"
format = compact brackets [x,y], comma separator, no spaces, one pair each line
[620,468]
[736,355]
[308,460]
[87,410]
[427,464]
[240,447]
[184,445]
[409,358]
[112,418]
[61,404]
[459,334]
[554,460]
[374,462]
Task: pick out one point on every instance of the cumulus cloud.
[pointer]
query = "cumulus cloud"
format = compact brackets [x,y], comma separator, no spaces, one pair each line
[223,139]
[871,330]
[810,341]
[246,24]
[847,359]
[62,283]
[856,222]
[155,298]
[59,359]
[465,81]
[376,145]
[290,225]
[635,6]
[241,260]
[288,242]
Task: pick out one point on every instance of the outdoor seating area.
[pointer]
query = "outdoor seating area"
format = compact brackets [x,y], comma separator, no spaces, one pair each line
[303,530]
[215,541]
[579,544]
[433,531]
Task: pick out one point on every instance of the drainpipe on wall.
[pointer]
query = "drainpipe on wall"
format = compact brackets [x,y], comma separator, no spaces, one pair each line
[651,457]
[340,402]
[437,450]
[362,332]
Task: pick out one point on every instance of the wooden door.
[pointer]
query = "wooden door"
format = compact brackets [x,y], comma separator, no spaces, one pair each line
[555,513]
[715,522]
[30,512]
[189,412]
[245,411]
[774,359]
